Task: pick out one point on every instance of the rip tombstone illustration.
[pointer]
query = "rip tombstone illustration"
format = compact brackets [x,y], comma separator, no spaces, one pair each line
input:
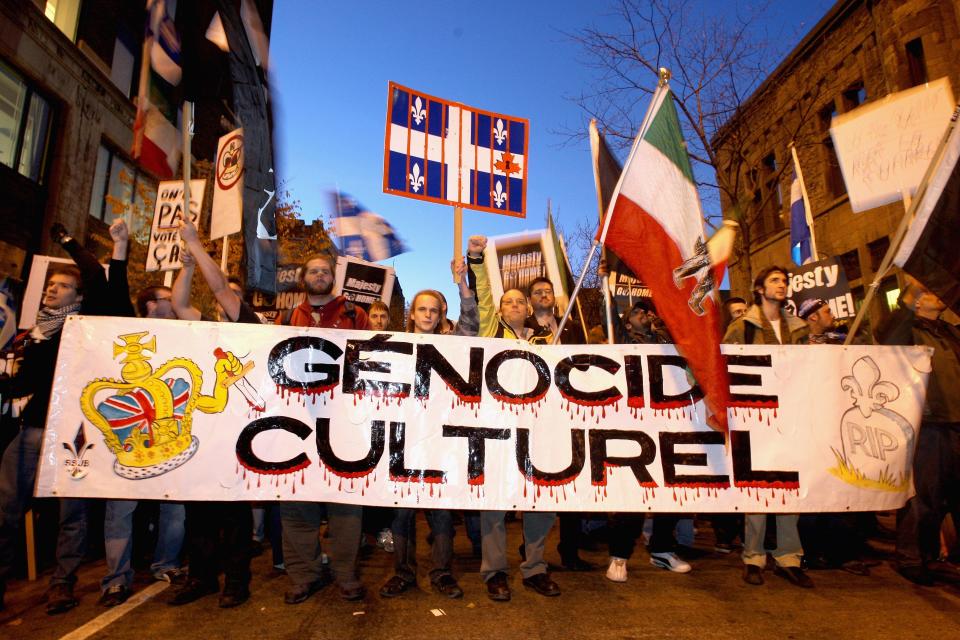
[146,416]
[876,442]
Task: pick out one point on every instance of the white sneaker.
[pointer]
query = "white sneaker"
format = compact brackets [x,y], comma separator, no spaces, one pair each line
[617,571]
[670,561]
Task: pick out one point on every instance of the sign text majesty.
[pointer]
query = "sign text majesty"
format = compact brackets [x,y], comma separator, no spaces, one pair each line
[238,412]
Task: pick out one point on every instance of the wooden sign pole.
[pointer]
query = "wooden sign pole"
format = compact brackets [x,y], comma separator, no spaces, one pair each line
[457,237]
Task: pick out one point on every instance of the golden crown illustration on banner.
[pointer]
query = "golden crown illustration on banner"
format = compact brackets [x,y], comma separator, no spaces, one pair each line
[146,417]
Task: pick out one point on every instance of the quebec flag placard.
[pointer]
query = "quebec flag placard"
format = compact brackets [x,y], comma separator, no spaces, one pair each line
[450,153]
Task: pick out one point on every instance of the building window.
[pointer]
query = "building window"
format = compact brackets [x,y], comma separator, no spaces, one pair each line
[772,193]
[878,249]
[854,96]
[833,176]
[916,62]
[850,261]
[25,119]
[63,13]
[121,189]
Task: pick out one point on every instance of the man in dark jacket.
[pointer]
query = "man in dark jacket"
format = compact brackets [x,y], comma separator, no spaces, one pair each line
[69,290]
[936,463]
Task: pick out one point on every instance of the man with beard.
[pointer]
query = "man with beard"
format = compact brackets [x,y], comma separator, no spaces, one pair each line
[767,322]
[301,520]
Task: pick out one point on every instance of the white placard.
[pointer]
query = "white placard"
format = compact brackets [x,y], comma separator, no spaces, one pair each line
[226,217]
[885,147]
[164,250]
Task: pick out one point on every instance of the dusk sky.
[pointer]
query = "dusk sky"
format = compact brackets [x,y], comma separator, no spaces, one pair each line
[330,65]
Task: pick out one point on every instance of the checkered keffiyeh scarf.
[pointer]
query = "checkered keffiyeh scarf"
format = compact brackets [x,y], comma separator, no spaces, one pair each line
[49,321]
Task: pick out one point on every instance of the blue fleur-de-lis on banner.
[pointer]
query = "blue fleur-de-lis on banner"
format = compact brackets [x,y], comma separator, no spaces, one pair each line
[416,180]
[499,132]
[499,195]
[419,113]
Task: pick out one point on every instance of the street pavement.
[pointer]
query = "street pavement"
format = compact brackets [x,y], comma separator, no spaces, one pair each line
[710,602]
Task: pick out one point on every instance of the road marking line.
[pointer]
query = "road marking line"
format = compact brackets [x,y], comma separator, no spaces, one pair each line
[115,613]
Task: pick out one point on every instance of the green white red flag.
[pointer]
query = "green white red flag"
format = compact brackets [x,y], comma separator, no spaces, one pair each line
[655,225]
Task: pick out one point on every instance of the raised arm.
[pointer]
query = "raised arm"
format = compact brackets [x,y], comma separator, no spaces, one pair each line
[180,296]
[210,271]
[469,322]
[118,285]
[95,294]
[487,310]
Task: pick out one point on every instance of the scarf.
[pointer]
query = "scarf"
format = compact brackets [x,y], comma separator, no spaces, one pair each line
[49,321]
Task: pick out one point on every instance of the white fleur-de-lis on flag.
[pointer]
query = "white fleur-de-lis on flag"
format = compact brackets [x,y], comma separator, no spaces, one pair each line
[419,113]
[499,132]
[499,195]
[416,180]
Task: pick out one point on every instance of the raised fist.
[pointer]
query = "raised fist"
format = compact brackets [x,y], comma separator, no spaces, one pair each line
[188,232]
[119,231]
[58,232]
[476,245]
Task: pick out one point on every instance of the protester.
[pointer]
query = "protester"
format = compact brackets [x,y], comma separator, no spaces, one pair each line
[936,463]
[509,323]
[379,316]
[425,315]
[301,520]
[544,321]
[830,540]
[152,302]
[768,322]
[217,530]
[733,308]
[69,290]
[640,324]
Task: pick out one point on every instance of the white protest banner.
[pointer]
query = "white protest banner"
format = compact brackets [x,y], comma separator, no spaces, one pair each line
[885,147]
[226,217]
[204,411]
[163,252]
[364,282]
[824,279]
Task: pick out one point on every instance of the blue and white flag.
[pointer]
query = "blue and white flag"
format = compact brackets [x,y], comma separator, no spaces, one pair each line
[449,153]
[801,220]
[362,233]
[165,43]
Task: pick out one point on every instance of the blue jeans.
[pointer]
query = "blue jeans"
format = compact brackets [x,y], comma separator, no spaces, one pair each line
[18,471]
[118,540]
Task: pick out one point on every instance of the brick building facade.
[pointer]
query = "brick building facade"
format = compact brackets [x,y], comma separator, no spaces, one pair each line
[859,52]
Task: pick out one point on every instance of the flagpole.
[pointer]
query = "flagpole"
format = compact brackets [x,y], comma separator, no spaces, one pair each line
[662,88]
[225,253]
[457,239]
[186,121]
[911,210]
[808,212]
[142,103]
[595,152]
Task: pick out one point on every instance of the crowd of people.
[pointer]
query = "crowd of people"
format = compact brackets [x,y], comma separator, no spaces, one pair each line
[197,541]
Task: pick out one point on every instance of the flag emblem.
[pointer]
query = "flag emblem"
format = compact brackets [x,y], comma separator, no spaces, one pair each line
[446,152]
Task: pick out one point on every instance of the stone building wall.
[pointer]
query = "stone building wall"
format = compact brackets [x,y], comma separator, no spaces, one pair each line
[858,44]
